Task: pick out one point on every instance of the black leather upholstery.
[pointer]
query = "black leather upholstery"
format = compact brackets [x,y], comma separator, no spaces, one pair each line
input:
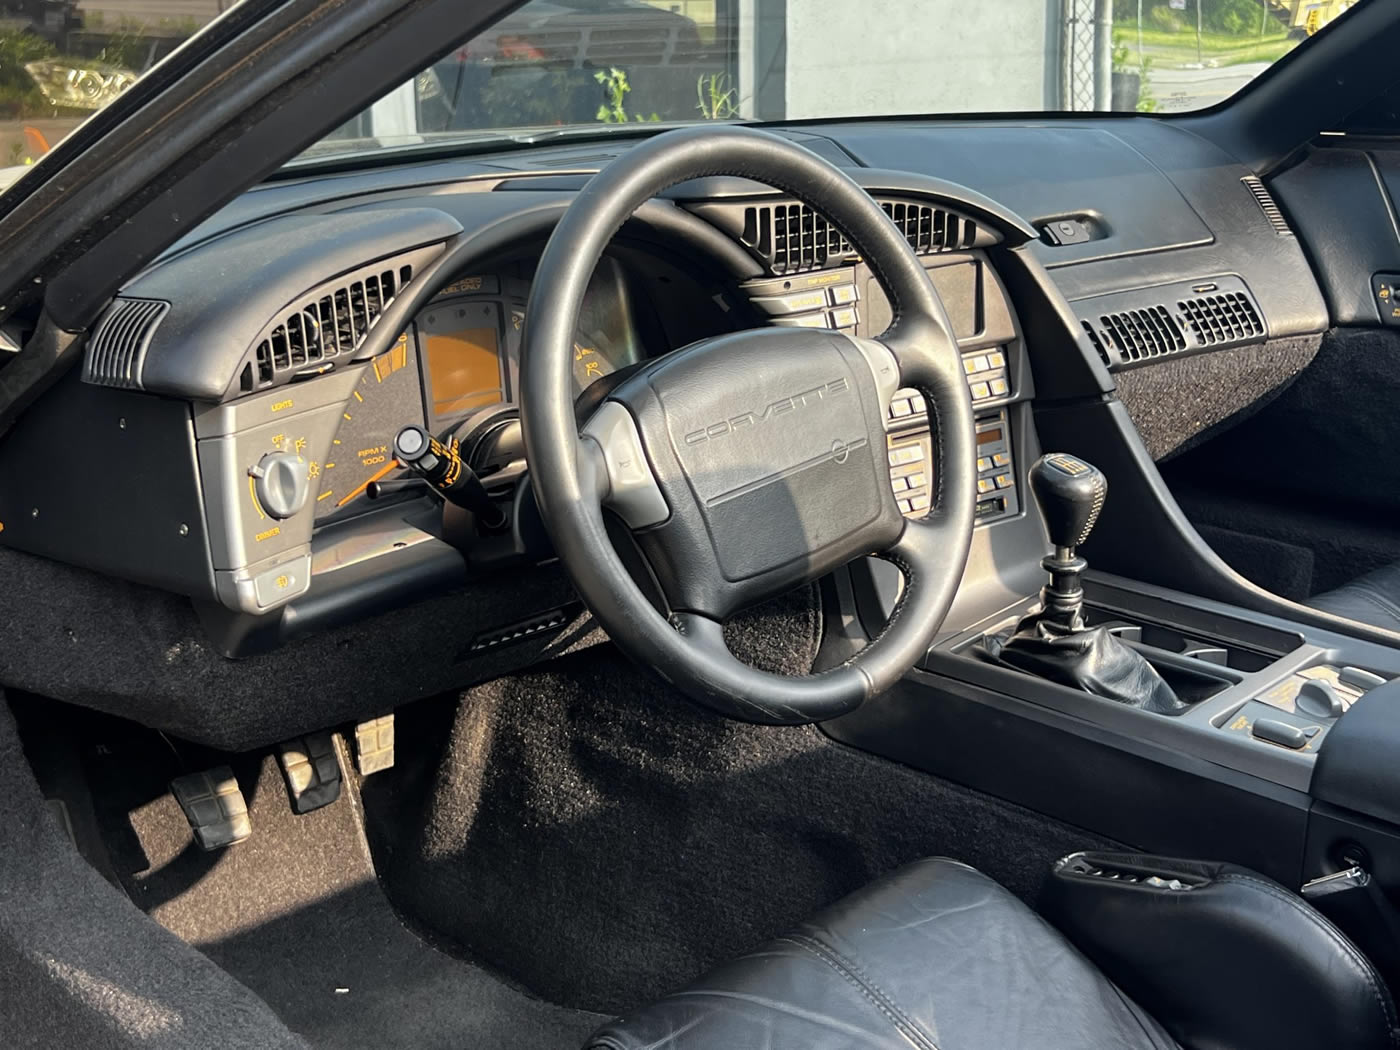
[1373,598]
[1220,955]
[935,957]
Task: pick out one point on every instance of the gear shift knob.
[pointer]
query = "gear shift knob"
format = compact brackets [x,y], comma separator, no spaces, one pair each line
[1070,493]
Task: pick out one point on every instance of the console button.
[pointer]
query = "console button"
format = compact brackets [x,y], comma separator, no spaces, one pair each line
[900,408]
[843,294]
[1002,459]
[846,317]
[791,304]
[999,387]
[980,391]
[996,359]
[984,463]
[1281,733]
[801,321]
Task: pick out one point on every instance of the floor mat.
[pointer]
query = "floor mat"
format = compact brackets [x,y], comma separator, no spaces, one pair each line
[597,837]
[295,912]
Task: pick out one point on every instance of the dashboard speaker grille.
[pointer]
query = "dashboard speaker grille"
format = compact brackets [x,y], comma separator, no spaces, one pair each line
[1202,322]
[120,340]
[792,238]
[1267,205]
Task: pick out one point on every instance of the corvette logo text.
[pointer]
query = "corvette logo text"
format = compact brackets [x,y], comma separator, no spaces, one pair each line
[772,411]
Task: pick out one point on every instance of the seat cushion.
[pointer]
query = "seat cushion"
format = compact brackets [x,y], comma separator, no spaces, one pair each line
[1373,598]
[936,956]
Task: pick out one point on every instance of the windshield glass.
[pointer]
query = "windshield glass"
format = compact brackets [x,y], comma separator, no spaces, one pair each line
[556,67]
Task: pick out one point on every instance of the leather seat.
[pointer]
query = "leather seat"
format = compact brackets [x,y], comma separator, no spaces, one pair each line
[1373,598]
[939,957]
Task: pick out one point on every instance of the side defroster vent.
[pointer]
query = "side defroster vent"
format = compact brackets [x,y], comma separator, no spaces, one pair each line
[1267,205]
[1223,318]
[332,322]
[792,238]
[120,340]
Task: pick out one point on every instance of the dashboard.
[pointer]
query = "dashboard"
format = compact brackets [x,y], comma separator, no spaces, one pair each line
[242,395]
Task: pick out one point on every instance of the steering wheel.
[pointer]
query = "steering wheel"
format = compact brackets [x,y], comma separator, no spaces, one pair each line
[750,463]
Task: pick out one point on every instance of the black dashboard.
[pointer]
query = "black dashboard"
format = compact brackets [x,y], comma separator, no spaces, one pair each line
[243,394]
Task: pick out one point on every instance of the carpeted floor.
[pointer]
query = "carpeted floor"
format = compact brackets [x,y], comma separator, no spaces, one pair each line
[296,914]
[591,834]
[81,967]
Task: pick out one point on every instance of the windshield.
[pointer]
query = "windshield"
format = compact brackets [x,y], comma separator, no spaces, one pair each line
[558,67]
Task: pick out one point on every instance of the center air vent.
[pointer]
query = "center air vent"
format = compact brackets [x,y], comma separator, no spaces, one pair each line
[1224,317]
[791,237]
[331,322]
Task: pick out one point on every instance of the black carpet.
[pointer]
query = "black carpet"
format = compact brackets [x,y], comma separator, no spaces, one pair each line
[81,967]
[603,841]
[1314,468]
[295,912]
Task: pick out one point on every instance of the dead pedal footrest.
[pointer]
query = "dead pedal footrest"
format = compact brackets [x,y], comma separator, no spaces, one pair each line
[214,805]
[374,744]
[312,771]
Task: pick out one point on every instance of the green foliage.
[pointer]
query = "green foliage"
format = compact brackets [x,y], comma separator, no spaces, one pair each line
[1124,61]
[717,98]
[615,89]
[19,95]
[1232,17]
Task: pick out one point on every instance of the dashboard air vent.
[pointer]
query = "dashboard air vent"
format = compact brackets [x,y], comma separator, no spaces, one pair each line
[792,238]
[1265,199]
[1201,322]
[120,340]
[333,321]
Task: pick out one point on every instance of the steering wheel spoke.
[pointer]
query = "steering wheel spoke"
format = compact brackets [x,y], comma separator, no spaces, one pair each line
[624,481]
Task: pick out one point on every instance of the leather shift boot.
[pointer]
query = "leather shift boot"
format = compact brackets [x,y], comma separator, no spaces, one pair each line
[1092,660]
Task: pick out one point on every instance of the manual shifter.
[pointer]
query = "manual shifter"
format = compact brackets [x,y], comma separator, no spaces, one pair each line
[1054,643]
[1070,494]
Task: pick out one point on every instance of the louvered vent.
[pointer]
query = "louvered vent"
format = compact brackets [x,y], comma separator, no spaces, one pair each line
[333,322]
[1267,205]
[120,340]
[1203,322]
[792,238]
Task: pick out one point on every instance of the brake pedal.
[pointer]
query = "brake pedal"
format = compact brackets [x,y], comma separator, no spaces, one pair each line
[214,805]
[374,745]
[312,771]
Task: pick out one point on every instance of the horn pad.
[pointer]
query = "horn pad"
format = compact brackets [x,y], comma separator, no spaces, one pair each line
[769,447]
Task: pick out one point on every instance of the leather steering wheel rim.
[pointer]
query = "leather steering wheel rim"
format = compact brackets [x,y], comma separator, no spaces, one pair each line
[573,478]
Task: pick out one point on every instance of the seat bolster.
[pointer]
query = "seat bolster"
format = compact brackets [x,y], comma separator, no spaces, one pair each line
[1373,598]
[936,956]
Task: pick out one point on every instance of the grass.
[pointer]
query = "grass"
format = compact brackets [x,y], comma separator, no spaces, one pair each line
[1175,48]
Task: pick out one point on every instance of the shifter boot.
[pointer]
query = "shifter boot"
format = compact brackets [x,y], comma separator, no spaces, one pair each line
[1092,660]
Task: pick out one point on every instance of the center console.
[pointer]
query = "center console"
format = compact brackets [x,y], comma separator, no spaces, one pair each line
[1278,750]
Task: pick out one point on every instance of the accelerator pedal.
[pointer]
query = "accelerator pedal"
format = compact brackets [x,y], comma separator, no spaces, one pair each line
[312,771]
[374,745]
[214,805]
